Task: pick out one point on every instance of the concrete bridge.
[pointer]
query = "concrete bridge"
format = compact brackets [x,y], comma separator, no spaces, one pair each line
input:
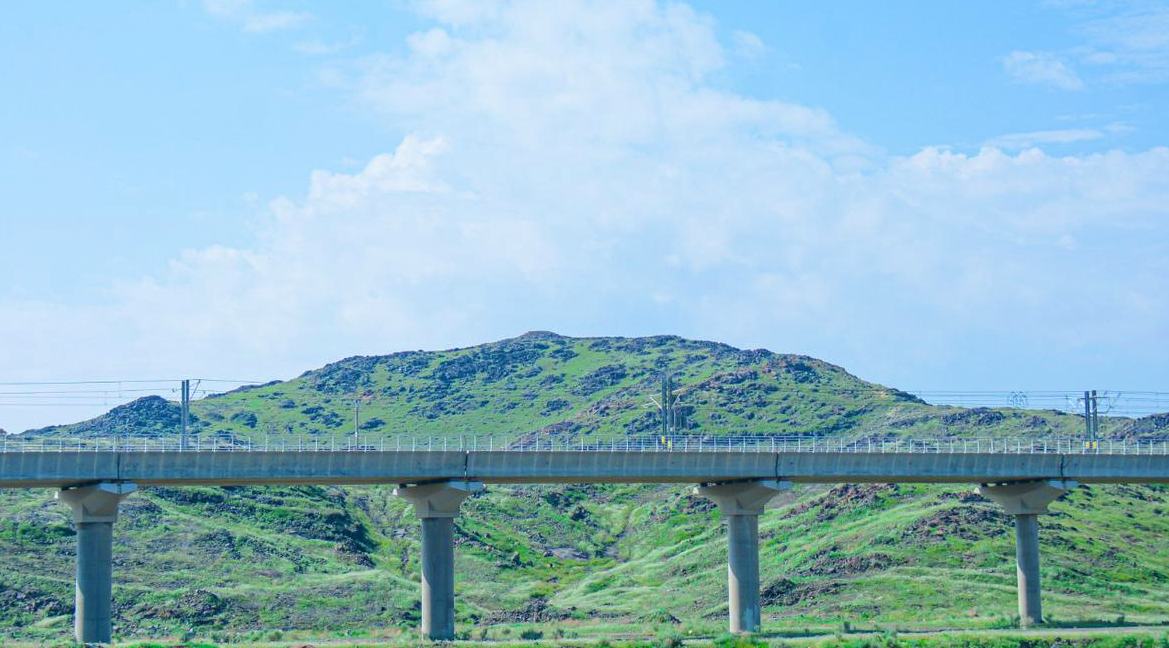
[740,474]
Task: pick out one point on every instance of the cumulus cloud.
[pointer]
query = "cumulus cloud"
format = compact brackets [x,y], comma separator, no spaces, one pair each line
[576,167]
[1041,68]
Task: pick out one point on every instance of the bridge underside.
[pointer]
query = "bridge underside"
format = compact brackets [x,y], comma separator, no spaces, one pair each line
[57,469]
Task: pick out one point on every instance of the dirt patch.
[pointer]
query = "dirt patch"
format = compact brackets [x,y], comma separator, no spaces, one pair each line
[965,522]
[33,602]
[197,606]
[787,592]
[844,499]
[534,611]
[352,553]
[824,563]
[698,505]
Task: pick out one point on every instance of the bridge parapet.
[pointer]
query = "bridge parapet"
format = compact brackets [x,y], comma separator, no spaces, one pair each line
[786,444]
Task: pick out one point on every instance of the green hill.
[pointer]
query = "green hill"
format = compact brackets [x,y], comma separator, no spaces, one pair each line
[580,559]
[543,383]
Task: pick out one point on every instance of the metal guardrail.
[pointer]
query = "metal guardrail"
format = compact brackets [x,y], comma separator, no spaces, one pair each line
[683,443]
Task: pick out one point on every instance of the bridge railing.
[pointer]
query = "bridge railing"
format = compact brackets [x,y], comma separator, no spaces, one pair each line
[673,443]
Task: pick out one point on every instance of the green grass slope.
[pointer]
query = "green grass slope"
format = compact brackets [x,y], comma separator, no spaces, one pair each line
[579,560]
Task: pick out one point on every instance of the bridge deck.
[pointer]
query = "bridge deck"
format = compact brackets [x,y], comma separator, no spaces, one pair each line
[60,467]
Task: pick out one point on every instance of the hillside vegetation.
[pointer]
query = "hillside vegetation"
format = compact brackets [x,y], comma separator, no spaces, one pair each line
[580,560]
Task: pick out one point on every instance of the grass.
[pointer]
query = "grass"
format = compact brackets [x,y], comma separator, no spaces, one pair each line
[871,562]
[530,638]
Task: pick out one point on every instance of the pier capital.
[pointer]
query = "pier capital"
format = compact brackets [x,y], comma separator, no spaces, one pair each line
[438,499]
[1026,498]
[96,502]
[743,497]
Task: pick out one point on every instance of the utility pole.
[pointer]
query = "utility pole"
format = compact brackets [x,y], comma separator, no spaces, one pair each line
[356,415]
[1095,416]
[665,404]
[186,414]
[1091,415]
[671,418]
[1088,414]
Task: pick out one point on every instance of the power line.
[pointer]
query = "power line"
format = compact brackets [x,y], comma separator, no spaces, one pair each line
[83,382]
[54,404]
[803,388]
[36,383]
[1116,402]
[239,382]
[111,390]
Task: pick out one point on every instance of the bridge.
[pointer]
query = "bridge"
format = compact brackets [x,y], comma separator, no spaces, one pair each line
[740,474]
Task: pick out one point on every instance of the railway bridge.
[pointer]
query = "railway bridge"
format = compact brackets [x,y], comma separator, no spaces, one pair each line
[740,474]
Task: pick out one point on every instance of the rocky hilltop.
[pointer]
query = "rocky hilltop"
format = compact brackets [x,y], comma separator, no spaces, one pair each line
[543,383]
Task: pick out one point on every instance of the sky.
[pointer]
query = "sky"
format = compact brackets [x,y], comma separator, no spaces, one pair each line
[933,195]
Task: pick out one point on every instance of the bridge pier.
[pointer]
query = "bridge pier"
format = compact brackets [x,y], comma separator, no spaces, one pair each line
[436,504]
[1026,501]
[741,504]
[95,509]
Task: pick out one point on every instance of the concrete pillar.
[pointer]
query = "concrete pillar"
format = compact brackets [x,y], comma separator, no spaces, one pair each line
[437,504]
[1026,501]
[95,509]
[1027,568]
[741,504]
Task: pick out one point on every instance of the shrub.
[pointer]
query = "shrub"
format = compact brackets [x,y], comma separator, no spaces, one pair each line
[669,639]
[531,634]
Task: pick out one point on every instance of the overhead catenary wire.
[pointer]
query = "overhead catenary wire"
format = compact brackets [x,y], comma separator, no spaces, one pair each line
[694,398]
[97,393]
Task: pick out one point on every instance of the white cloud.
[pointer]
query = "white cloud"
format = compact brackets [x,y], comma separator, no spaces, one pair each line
[1118,43]
[1015,141]
[250,19]
[1130,46]
[316,47]
[579,169]
[747,44]
[1059,136]
[1041,68]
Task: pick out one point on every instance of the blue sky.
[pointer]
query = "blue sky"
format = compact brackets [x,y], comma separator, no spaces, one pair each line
[933,195]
